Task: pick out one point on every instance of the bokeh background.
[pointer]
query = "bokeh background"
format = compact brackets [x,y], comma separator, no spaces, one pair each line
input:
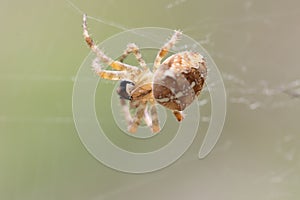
[256,47]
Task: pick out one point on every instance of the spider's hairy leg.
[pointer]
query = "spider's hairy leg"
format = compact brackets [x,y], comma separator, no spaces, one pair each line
[133,48]
[126,112]
[102,57]
[138,117]
[147,118]
[166,48]
[155,121]
[106,74]
[178,115]
[117,65]
[112,75]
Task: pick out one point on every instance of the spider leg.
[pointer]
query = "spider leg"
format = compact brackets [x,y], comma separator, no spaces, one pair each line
[104,58]
[106,74]
[154,116]
[178,115]
[112,75]
[138,117]
[165,49]
[133,48]
[147,118]
[126,112]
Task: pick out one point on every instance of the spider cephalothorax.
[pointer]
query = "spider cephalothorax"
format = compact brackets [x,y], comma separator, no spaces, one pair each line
[174,83]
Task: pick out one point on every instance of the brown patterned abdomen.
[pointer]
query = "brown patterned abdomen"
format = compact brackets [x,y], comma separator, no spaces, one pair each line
[178,81]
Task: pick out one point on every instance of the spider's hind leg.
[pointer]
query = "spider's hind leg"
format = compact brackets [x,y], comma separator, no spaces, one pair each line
[178,115]
[165,49]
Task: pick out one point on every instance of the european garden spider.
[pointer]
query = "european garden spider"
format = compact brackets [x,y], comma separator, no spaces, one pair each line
[174,83]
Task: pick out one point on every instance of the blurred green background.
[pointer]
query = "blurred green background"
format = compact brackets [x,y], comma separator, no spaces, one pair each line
[256,47]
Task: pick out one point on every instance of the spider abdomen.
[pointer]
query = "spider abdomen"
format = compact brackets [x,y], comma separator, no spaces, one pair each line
[179,80]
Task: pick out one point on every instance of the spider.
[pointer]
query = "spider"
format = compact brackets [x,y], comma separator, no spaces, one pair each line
[174,83]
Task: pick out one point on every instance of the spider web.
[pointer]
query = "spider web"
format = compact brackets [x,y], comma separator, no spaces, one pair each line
[254,46]
[254,93]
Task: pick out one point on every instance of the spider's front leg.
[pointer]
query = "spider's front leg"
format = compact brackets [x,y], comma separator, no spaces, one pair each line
[104,58]
[106,74]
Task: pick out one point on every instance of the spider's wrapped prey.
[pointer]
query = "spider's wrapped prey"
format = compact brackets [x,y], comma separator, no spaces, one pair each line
[179,80]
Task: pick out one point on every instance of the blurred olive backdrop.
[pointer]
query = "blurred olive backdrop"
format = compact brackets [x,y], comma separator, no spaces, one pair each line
[255,45]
